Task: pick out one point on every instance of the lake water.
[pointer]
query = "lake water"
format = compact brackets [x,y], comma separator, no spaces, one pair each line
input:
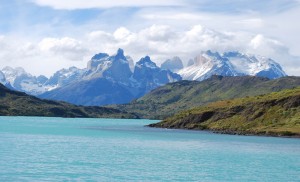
[59,149]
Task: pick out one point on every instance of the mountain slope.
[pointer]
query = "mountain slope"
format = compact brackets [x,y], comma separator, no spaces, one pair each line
[277,114]
[13,103]
[173,97]
[98,91]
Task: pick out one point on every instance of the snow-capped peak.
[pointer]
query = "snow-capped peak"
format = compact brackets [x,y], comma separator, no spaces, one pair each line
[12,73]
[254,65]
[146,62]
[231,64]
[23,81]
[64,77]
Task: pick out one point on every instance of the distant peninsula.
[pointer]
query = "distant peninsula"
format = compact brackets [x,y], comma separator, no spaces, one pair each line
[273,114]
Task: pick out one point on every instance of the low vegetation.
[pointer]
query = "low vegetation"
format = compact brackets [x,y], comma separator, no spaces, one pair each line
[276,114]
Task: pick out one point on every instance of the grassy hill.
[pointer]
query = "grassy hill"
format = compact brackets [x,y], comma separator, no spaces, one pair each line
[13,103]
[276,114]
[174,97]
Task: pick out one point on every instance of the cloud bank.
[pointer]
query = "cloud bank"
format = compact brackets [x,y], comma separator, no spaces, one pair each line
[83,4]
[158,41]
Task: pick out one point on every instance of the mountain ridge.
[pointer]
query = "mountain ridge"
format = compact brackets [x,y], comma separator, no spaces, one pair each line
[118,72]
[174,97]
[109,80]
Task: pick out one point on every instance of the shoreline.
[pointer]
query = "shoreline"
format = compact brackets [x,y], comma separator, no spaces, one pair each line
[227,132]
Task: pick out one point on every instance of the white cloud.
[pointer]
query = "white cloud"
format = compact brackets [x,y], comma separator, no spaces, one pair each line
[83,4]
[122,34]
[260,42]
[250,23]
[157,33]
[159,28]
[173,16]
[42,57]
[158,41]
[102,35]
[274,49]
[68,47]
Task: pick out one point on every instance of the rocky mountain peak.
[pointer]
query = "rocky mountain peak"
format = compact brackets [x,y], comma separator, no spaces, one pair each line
[99,56]
[174,64]
[119,55]
[151,76]
[146,62]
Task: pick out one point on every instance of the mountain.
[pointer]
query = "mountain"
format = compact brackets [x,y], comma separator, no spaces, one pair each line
[230,64]
[149,76]
[109,80]
[174,97]
[115,68]
[106,80]
[64,77]
[255,65]
[276,114]
[90,86]
[14,103]
[174,64]
[20,80]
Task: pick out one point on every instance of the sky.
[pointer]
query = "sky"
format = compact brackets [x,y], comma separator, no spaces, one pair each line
[44,36]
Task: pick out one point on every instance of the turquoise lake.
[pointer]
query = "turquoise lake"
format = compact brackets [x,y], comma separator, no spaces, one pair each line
[60,149]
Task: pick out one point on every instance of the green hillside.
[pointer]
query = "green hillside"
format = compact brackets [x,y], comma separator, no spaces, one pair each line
[174,97]
[13,103]
[277,114]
